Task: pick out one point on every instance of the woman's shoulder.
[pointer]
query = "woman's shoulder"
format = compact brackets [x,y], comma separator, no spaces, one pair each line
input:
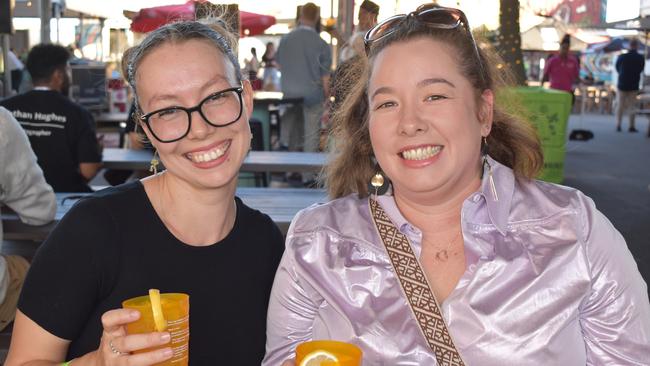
[122,197]
[343,215]
[548,197]
[120,201]
[551,200]
[248,218]
[249,215]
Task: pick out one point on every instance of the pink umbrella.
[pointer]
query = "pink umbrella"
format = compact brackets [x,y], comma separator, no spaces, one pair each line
[148,19]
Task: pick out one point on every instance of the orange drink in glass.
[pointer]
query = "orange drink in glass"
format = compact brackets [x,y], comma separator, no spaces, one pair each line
[175,320]
[328,353]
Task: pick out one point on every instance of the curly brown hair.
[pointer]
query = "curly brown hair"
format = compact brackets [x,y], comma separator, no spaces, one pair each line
[513,141]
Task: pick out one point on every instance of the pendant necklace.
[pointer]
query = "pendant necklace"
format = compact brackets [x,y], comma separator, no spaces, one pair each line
[443,255]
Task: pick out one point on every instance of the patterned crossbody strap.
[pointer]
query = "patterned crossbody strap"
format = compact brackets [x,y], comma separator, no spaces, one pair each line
[416,288]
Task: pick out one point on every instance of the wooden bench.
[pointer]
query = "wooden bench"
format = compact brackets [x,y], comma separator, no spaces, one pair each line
[256,161]
[281,204]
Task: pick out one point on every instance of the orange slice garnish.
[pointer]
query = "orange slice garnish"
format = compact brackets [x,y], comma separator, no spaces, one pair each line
[319,358]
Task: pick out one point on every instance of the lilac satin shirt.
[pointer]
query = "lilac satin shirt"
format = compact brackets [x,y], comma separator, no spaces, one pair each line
[549,281]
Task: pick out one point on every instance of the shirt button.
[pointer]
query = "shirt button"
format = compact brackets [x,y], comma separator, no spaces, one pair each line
[476,197]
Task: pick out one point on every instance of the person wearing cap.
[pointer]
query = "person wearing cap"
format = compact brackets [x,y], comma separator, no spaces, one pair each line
[368,12]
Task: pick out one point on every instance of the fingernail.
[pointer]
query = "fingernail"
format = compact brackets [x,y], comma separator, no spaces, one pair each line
[134,314]
[167,352]
[165,337]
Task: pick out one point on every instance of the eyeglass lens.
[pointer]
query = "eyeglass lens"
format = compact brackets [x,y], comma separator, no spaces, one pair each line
[218,109]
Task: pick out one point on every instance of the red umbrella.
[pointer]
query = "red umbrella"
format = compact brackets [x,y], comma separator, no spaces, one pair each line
[252,23]
[149,19]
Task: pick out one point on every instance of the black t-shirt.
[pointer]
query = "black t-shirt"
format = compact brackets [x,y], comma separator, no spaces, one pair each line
[113,246]
[62,135]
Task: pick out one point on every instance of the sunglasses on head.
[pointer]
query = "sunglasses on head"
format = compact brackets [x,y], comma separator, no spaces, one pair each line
[432,16]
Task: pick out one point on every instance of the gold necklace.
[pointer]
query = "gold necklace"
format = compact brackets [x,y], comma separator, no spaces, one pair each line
[443,255]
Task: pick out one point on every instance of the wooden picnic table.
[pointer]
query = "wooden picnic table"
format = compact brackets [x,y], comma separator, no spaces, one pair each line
[281,204]
[256,161]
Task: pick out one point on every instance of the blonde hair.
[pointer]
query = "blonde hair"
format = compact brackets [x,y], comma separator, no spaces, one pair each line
[513,141]
[211,29]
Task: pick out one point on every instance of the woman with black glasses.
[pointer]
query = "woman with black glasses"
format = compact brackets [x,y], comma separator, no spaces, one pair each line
[181,230]
[440,247]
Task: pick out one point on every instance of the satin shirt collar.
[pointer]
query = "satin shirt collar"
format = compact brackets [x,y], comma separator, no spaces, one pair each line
[498,206]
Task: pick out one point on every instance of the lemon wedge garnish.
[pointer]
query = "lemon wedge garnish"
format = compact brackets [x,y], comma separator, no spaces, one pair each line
[156,309]
[318,358]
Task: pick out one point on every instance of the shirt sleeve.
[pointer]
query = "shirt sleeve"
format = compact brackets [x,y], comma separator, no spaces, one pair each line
[325,59]
[291,311]
[615,316]
[70,270]
[22,185]
[88,149]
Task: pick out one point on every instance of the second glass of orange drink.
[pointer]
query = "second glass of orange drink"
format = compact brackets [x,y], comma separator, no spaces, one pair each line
[328,353]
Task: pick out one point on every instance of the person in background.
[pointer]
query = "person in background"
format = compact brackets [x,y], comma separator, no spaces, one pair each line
[24,190]
[15,66]
[368,12]
[181,230]
[61,132]
[440,247]
[252,68]
[271,78]
[305,60]
[563,69]
[343,77]
[630,67]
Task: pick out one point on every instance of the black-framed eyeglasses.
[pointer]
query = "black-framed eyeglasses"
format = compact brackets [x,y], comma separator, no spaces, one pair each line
[431,15]
[218,109]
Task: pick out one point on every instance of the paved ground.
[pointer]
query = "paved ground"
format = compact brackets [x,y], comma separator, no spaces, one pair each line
[614,170]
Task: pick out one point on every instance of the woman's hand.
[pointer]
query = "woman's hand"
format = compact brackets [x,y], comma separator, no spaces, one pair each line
[116,346]
[289,363]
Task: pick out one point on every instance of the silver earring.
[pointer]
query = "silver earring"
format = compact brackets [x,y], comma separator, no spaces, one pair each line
[493,187]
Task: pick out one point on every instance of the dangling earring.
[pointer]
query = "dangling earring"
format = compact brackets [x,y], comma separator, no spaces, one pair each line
[378,184]
[484,153]
[154,163]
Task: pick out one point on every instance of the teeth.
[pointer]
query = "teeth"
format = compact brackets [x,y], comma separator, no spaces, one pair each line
[421,153]
[209,155]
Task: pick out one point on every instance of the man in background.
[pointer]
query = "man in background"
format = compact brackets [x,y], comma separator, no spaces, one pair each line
[61,132]
[629,66]
[305,60]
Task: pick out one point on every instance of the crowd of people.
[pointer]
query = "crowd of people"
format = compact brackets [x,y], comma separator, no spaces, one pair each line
[438,245]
